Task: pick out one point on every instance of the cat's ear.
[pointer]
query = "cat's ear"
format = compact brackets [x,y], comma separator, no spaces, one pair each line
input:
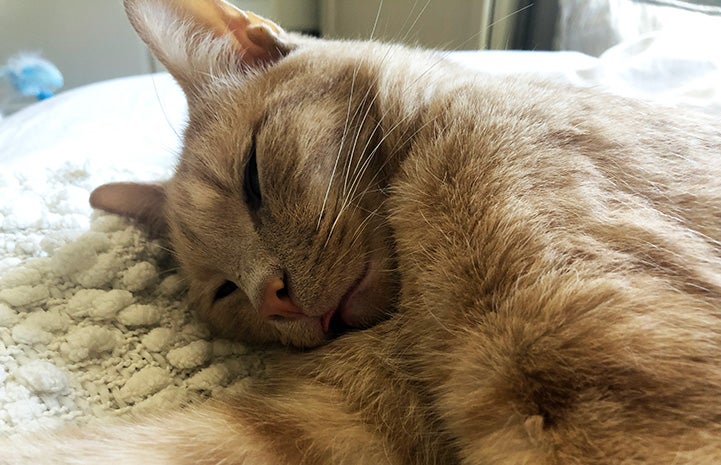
[199,39]
[141,202]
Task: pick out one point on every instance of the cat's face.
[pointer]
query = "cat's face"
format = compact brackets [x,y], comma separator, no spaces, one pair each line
[274,187]
[276,211]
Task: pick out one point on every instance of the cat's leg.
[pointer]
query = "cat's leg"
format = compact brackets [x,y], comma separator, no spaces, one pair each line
[596,377]
[200,435]
[311,425]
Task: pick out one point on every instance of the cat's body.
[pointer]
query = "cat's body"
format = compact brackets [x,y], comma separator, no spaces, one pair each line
[534,269]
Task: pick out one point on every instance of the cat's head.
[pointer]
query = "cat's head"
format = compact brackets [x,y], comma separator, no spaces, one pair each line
[276,210]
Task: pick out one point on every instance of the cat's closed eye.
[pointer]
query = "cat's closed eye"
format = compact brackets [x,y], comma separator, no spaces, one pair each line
[251,181]
[225,289]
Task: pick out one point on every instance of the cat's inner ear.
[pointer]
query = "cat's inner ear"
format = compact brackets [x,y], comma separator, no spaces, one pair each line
[141,202]
[198,39]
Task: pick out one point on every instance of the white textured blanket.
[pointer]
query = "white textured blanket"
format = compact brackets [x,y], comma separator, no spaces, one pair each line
[92,319]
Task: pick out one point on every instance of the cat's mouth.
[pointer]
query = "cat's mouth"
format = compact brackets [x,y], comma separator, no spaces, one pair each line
[337,320]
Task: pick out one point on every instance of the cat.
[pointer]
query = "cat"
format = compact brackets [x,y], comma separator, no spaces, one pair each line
[471,269]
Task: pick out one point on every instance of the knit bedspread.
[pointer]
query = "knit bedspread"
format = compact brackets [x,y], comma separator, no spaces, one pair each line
[93,320]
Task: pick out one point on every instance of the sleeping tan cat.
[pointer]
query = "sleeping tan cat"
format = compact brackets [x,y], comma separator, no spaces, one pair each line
[477,270]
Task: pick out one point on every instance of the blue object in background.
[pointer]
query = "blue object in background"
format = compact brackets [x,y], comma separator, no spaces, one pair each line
[32,76]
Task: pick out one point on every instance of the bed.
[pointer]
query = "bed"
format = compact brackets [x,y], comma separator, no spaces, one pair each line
[93,321]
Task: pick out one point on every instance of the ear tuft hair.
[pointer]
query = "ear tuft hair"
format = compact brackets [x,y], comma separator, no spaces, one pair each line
[143,203]
[199,39]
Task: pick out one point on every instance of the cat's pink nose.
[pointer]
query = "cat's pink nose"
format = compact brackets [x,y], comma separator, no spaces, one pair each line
[277,303]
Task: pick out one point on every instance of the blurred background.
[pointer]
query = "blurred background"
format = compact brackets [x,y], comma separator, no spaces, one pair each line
[91,40]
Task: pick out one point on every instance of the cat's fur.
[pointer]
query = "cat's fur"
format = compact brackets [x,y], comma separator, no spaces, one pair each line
[545,272]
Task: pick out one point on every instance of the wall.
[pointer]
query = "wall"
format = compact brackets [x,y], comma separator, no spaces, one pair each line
[447,24]
[91,40]
[88,40]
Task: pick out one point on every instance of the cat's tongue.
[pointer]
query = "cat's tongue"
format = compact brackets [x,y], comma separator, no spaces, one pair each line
[326,319]
[336,320]
[333,321]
